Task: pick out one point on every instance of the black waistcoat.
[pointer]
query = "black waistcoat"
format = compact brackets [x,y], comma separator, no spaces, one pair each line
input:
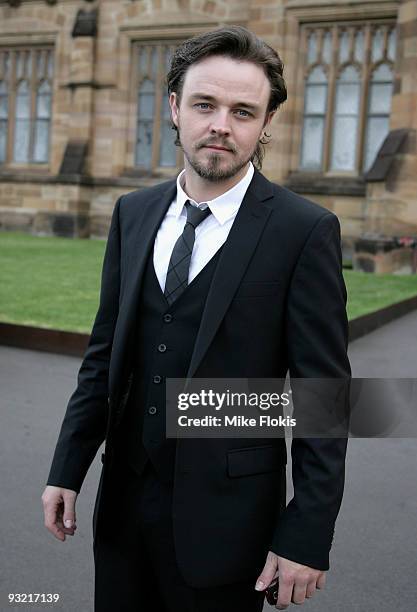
[165,339]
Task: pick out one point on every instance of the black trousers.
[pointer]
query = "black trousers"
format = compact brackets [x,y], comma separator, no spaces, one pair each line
[136,567]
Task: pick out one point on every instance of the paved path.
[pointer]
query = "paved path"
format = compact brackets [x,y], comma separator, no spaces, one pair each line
[374,556]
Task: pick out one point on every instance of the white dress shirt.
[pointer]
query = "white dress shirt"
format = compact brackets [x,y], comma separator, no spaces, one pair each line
[210,234]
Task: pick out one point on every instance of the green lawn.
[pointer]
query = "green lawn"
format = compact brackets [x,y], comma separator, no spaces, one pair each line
[54,282]
[370,292]
[49,282]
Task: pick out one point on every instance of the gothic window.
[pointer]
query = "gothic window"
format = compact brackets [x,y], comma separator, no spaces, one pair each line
[155,140]
[25,104]
[347,95]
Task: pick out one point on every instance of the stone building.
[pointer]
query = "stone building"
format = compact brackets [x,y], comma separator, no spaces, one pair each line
[84,115]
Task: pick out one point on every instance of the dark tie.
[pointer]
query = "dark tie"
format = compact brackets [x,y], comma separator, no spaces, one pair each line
[179,264]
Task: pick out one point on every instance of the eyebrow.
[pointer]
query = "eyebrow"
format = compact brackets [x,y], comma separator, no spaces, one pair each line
[246,105]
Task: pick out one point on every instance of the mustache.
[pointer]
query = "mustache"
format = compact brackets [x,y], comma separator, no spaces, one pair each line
[214,143]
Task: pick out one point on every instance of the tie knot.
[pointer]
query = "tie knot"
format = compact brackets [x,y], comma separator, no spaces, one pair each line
[196,215]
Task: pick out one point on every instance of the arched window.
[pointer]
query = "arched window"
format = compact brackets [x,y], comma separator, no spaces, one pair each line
[315,102]
[379,108]
[22,123]
[155,140]
[4,114]
[346,116]
[25,104]
[347,94]
[42,122]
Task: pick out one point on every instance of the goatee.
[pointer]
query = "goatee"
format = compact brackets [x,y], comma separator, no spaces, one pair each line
[212,169]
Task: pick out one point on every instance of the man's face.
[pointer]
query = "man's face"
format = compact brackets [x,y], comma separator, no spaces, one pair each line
[221,115]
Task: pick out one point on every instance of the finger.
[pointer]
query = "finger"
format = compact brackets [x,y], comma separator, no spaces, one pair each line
[286,585]
[60,521]
[299,593]
[50,513]
[311,588]
[321,581]
[69,517]
[268,572]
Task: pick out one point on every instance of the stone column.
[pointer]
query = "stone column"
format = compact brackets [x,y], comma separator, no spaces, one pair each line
[75,167]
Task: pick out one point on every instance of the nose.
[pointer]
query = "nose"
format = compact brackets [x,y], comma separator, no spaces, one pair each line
[220,125]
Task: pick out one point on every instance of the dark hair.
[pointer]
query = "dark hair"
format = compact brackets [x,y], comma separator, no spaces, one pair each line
[238,43]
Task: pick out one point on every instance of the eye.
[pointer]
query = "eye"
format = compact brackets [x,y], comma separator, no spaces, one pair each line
[202,105]
[243,113]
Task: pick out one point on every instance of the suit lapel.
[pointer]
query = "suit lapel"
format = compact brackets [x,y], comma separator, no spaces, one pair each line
[235,257]
[153,213]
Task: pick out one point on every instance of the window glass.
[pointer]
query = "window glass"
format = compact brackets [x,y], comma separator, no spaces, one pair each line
[327,48]
[146,102]
[344,47]
[379,108]
[167,150]
[359,46]
[377,45]
[315,100]
[345,124]
[312,48]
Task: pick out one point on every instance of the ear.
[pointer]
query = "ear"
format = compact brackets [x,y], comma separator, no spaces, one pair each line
[268,119]
[174,105]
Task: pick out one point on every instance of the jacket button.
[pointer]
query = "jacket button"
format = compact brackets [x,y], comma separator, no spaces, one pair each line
[167,318]
[157,379]
[152,410]
[162,348]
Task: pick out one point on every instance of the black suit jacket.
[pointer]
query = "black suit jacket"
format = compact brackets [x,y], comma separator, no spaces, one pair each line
[276,303]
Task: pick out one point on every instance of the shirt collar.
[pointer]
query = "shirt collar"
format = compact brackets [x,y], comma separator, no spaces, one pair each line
[224,207]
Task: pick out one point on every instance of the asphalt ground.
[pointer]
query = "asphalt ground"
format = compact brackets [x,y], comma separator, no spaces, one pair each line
[374,555]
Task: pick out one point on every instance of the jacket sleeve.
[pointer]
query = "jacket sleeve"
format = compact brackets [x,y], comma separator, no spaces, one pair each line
[84,425]
[317,337]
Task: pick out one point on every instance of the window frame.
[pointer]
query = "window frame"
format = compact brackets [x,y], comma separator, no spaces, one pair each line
[366,68]
[160,90]
[34,82]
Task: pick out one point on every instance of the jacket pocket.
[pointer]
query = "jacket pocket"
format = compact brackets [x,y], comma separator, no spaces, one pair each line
[255,460]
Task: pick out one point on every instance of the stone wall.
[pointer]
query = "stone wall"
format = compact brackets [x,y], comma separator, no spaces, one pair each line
[93,108]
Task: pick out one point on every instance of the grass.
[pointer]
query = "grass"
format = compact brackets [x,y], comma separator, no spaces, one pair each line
[370,292]
[49,282]
[55,282]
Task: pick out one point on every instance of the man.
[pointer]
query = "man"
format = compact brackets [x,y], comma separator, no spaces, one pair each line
[218,274]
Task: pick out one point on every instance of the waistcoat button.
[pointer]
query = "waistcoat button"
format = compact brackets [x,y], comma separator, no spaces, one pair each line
[167,318]
[152,410]
[162,348]
[157,379]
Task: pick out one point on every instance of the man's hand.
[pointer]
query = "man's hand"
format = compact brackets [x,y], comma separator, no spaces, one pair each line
[59,511]
[296,581]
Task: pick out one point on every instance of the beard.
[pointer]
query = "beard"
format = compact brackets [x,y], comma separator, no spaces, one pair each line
[214,168]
